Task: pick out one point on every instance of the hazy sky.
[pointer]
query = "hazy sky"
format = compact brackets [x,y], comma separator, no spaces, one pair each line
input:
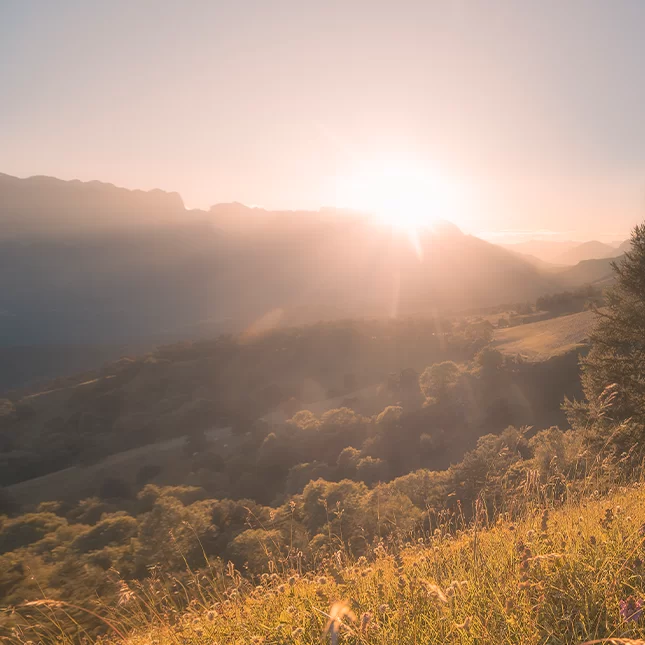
[536,107]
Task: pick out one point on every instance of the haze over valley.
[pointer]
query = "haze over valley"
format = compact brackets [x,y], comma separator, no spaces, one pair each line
[95,270]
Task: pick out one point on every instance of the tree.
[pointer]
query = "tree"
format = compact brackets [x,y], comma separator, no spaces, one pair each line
[439,378]
[370,470]
[347,461]
[613,373]
[489,359]
[304,420]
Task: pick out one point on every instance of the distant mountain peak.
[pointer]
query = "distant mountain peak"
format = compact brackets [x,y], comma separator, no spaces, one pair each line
[446,228]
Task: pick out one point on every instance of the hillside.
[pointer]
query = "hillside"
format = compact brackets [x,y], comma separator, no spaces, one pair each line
[596,272]
[511,583]
[545,250]
[563,576]
[193,387]
[545,339]
[592,250]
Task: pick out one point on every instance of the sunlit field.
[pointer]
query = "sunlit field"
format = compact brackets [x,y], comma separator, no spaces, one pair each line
[548,576]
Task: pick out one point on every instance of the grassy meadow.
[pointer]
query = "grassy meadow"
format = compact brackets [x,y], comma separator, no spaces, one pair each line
[567,575]
[544,339]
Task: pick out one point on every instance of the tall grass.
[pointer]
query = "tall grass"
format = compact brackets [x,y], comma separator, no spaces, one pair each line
[567,575]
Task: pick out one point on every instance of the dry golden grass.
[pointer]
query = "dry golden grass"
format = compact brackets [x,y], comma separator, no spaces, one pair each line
[562,577]
[542,340]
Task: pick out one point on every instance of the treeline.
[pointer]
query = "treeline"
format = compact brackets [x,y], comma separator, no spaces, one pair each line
[571,301]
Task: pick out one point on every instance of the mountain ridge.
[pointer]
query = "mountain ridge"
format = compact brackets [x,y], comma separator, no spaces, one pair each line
[148,276]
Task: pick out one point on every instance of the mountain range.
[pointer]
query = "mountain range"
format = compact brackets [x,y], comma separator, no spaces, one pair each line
[566,252]
[93,265]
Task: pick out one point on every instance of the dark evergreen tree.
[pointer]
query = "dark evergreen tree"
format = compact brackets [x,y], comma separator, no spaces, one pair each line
[613,373]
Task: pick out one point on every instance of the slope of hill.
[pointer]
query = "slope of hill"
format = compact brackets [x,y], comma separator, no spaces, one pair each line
[592,250]
[567,252]
[503,586]
[595,272]
[545,250]
[623,247]
[568,576]
[534,260]
[542,340]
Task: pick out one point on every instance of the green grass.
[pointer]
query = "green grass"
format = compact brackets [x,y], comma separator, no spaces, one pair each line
[553,577]
[542,340]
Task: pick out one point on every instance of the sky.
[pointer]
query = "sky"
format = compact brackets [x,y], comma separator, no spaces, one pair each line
[532,109]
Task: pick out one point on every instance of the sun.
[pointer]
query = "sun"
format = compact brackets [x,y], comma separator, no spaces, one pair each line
[406,196]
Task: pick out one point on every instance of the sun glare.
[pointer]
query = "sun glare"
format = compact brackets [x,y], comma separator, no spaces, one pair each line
[400,195]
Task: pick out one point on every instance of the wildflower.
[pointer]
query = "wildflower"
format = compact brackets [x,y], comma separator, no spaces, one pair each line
[606,521]
[402,582]
[366,619]
[526,559]
[292,581]
[631,609]
[282,588]
[383,609]
[322,580]
[210,615]
[592,540]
